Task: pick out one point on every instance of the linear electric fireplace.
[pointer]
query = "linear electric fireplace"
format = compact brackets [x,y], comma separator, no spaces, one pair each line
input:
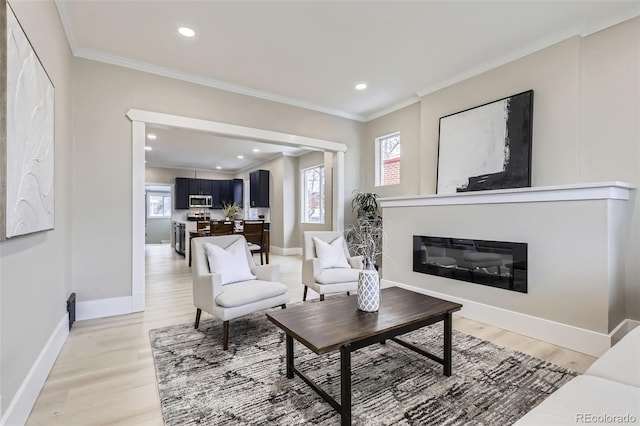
[493,263]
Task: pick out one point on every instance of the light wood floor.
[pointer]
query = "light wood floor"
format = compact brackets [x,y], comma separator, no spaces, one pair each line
[105,375]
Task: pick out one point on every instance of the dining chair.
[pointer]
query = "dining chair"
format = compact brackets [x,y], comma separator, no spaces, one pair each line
[253,231]
[202,225]
[221,228]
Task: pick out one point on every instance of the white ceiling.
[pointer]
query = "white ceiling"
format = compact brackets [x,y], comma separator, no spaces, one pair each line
[312,53]
[192,149]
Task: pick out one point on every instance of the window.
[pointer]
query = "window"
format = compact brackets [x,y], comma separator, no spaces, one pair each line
[388,160]
[158,206]
[313,195]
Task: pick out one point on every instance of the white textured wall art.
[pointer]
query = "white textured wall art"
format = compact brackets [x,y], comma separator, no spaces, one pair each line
[29,203]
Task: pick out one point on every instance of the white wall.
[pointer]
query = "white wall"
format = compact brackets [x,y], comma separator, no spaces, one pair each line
[586,129]
[290,197]
[407,122]
[168,175]
[102,94]
[279,199]
[35,270]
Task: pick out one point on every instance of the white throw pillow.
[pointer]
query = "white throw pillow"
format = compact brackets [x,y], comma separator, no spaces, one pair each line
[231,263]
[331,255]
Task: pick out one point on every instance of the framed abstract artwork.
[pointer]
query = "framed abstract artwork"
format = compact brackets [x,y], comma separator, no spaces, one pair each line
[486,147]
[26,134]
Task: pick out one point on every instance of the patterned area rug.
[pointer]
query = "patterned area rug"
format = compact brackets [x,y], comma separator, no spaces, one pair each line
[201,384]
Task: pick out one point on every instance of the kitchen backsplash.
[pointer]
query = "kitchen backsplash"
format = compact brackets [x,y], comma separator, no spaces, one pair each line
[253,213]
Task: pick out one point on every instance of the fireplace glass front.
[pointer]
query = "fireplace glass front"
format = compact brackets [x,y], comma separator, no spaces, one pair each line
[493,263]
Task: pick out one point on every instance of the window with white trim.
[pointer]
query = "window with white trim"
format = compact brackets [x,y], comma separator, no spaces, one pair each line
[158,206]
[313,195]
[388,159]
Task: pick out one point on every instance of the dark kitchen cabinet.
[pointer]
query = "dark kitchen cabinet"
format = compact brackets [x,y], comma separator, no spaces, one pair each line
[215,194]
[226,195]
[200,187]
[221,191]
[237,189]
[259,188]
[182,194]
[227,191]
[205,187]
[194,187]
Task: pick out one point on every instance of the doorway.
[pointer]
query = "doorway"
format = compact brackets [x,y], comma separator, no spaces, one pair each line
[157,218]
[140,119]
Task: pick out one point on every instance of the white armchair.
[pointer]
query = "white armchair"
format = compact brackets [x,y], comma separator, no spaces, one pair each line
[327,280]
[232,300]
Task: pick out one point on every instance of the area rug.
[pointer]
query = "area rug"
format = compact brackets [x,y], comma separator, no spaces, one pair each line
[200,384]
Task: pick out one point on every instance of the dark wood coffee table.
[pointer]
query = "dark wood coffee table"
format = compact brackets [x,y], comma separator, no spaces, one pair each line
[338,324]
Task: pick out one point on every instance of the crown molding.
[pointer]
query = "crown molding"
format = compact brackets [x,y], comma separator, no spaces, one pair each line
[190,168]
[63,13]
[393,108]
[260,163]
[581,30]
[179,75]
[610,21]
[500,61]
[584,30]
[208,82]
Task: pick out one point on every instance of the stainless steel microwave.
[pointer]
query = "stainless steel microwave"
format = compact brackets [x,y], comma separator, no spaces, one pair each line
[200,201]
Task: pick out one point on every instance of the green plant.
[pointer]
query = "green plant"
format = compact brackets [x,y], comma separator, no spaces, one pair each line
[230,210]
[365,205]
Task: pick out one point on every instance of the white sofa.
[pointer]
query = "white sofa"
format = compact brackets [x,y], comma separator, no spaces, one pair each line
[607,393]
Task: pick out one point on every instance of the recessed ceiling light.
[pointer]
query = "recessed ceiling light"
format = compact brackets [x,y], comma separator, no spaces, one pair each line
[256,150]
[361,86]
[147,148]
[151,137]
[218,167]
[186,31]
[240,157]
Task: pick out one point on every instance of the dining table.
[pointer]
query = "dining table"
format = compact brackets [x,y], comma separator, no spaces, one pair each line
[205,233]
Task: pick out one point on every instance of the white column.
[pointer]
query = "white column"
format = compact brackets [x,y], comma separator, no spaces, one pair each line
[338,191]
[137,218]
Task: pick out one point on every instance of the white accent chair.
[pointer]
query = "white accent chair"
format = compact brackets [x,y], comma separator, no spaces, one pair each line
[234,299]
[331,280]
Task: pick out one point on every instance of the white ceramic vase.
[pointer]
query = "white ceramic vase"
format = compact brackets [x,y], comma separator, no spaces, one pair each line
[369,290]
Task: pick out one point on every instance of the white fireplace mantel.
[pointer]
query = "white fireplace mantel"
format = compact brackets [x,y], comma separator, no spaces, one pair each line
[578,251]
[584,191]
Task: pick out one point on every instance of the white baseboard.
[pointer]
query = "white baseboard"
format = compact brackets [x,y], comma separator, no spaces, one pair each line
[20,407]
[286,251]
[567,336]
[137,302]
[107,307]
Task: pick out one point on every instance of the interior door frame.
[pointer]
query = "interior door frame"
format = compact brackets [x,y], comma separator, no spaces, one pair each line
[141,118]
